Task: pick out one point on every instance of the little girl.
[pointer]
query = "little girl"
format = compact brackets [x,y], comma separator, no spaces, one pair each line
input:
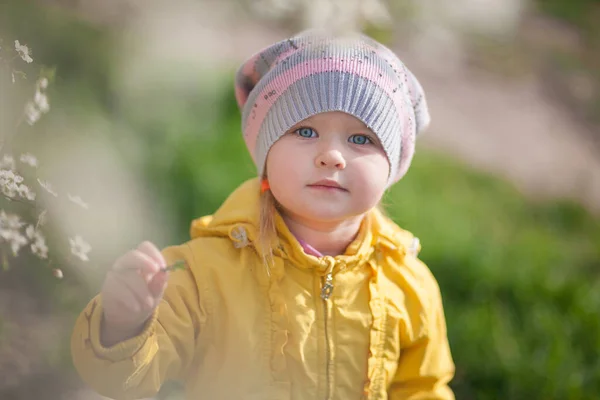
[298,287]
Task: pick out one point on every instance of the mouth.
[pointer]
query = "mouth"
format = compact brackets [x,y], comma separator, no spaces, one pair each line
[327,184]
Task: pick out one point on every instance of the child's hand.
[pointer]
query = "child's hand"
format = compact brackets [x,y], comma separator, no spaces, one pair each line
[131,292]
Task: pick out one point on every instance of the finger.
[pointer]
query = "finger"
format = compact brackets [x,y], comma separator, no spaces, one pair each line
[120,294]
[136,260]
[151,250]
[136,285]
[158,284]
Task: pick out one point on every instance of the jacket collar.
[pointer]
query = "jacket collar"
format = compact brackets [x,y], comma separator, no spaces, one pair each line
[238,219]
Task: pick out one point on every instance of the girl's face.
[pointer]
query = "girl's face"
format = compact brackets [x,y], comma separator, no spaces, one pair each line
[327,168]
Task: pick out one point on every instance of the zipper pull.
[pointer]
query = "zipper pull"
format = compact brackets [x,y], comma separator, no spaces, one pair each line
[327,288]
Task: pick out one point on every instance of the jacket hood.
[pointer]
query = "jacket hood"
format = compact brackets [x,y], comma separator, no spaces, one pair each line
[241,208]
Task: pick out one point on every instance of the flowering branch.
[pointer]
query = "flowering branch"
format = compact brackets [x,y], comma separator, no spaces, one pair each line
[15,231]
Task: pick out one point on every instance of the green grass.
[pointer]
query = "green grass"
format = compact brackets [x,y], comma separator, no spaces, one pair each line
[574,11]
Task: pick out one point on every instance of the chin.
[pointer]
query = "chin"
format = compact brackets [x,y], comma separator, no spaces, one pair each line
[322,214]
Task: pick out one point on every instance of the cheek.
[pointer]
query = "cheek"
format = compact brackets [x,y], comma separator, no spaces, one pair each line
[282,164]
[372,180]
[374,171]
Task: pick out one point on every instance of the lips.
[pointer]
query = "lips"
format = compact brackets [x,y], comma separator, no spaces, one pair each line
[327,184]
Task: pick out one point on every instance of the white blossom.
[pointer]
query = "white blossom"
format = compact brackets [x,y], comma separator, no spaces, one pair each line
[29,159]
[46,185]
[34,109]
[16,242]
[9,174]
[80,248]
[10,221]
[38,242]
[11,186]
[25,192]
[41,101]
[43,83]
[6,234]
[23,51]
[30,232]
[9,231]
[8,162]
[39,248]
[77,200]
[32,113]
[10,183]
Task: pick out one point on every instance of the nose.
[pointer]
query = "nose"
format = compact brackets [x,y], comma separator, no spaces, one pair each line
[330,159]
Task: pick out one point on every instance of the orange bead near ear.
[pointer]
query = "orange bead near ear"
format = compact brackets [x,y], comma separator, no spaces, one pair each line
[264,185]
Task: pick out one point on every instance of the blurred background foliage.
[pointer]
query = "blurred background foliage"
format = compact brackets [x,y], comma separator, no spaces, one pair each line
[520,278]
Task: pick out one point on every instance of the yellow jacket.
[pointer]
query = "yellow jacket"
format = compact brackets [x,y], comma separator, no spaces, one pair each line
[231,328]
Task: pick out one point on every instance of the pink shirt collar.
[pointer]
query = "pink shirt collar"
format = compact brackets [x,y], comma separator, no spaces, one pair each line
[308,249]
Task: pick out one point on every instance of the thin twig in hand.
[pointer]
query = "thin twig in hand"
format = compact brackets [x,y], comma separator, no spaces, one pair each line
[179,264]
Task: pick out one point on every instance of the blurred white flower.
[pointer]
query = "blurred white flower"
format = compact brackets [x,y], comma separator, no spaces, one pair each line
[41,101]
[38,242]
[8,162]
[31,232]
[10,221]
[29,159]
[43,83]
[12,74]
[77,200]
[10,184]
[16,242]
[25,192]
[40,105]
[57,273]
[32,113]
[9,231]
[39,248]
[9,175]
[23,51]
[80,248]
[10,189]
[46,185]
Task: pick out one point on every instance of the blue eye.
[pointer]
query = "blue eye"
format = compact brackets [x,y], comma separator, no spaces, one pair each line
[359,139]
[306,132]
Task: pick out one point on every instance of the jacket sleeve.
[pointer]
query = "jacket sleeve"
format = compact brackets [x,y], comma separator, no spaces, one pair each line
[137,367]
[425,366]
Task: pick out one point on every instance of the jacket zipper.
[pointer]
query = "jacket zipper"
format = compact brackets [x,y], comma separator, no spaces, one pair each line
[326,290]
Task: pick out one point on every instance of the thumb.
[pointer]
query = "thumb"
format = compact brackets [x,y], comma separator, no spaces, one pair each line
[158,284]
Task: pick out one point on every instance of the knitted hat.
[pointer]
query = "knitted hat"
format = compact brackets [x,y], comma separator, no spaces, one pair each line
[314,72]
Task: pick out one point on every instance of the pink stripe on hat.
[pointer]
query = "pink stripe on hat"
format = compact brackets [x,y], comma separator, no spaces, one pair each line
[280,83]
